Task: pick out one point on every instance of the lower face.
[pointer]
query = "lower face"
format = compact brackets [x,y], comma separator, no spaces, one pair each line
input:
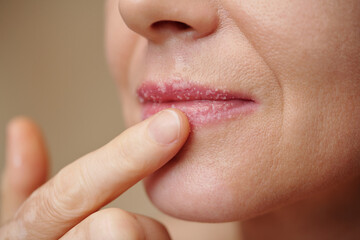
[298,62]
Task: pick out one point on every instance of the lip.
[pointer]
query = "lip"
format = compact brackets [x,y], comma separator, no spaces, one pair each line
[201,104]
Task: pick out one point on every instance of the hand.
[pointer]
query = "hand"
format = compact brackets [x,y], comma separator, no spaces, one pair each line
[67,206]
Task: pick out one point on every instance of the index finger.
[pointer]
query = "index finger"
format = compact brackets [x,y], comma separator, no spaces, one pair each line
[99,177]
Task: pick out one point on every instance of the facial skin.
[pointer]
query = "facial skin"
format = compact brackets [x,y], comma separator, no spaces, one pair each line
[300,60]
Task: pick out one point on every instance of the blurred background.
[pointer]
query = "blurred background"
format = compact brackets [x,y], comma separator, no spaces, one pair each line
[53,69]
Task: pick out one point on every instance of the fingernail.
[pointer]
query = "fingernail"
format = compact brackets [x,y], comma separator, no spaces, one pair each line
[165,127]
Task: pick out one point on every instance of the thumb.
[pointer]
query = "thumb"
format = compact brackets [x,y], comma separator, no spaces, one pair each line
[26,165]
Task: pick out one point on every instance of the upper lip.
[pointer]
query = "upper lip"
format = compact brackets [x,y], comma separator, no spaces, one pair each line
[178,90]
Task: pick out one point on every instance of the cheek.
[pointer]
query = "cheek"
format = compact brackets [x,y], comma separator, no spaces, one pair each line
[313,48]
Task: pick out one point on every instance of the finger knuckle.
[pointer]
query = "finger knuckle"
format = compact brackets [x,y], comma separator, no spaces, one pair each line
[66,194]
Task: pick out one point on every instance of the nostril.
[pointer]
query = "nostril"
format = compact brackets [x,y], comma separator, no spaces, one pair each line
[174,25]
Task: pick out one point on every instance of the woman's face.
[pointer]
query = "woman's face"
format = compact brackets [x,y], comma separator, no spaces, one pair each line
[297,65]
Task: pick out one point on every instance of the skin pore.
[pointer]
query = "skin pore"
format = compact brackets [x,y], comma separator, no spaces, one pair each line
[290,169]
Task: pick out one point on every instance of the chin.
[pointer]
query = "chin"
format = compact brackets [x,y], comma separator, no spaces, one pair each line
[216,177]
[184,194]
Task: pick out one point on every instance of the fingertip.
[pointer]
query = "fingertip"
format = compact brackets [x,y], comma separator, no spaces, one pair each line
[26,156]
[24,140]
[26,165]
[21,125]
[168,127]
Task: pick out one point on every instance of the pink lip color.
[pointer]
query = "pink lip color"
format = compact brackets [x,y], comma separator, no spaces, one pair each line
[201,105]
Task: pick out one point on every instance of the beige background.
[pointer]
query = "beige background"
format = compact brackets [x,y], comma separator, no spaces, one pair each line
[52,68]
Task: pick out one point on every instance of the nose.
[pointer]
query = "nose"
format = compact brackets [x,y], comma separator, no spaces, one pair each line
[158,20]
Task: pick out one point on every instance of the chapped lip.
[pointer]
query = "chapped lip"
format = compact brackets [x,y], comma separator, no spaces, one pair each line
[184,91]
[201,104]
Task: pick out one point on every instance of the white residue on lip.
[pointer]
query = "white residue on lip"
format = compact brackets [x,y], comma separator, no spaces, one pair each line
[178,90]
[162,87]
[180,85]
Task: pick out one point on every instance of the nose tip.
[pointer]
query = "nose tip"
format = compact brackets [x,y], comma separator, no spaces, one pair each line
[158,20]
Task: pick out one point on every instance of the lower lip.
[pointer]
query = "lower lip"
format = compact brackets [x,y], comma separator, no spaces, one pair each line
[200,112]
